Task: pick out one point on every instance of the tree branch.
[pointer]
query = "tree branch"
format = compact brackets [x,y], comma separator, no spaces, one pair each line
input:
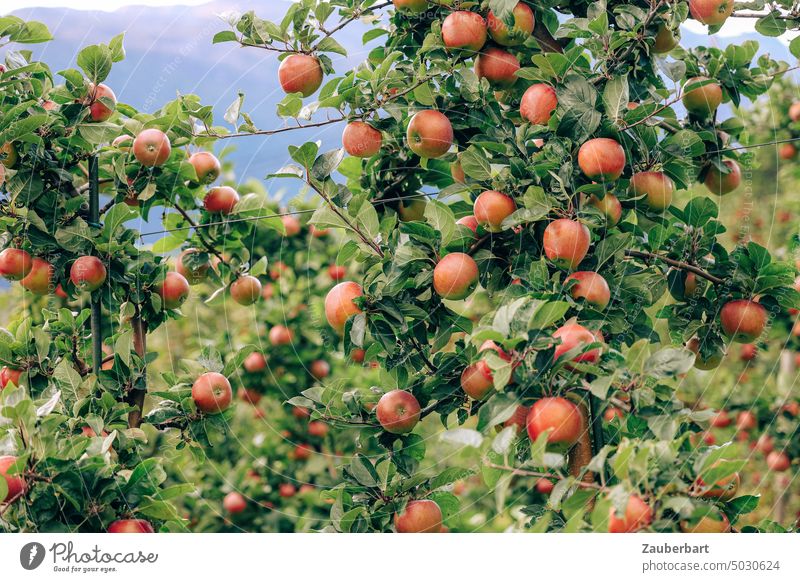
[677,264]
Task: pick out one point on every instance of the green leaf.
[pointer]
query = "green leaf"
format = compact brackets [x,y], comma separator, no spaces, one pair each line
[441,217]
[96,61]
[475,164]
[364,471]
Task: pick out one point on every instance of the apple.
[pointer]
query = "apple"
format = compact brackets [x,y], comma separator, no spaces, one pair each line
[702,101]
[743,320]
[497,66]
[361,140]
[278,268]
[8,155]
[40,278]
[280,335]
[193,274]
[287,490]
[601,159]
[398,411]
[794,111]
[656,187]
[291,226]
[212,392]
[302,452]
[566,242]
[174,290]
[455,276]
[778,461]
[248,395]
[15,264]
[573,335]
[721,184]
[123,142]
[748,352]
[791,408]
[725,489]
[765,444]
[591,287]
[787,151]
[464,31]
[491,208]
[221,200]
[337,272]
[246,290]
[470,222]
[411,6]
[11,375]
[707,362]
[544,486]
[456,171]
[711,12]
[234,502]
[339,305]
[87,273]
[610,206]
[682,285]
[519,418]
[300,73]
[721,419]
[538,103]
[300,412]
[15,484]
[429,134]
[419,516]
[151,147]
[746,420]
[518,33]
[206,166]
[320,369]
[638,515]
[98,110]
[412,210]
[613,412]
[128,526]
[559,416]
[476,380]
[318,232]
[318,429]
[707,524]
[665,40]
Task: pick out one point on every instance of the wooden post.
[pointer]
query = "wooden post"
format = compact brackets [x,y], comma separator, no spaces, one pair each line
[95,321]
[136,396]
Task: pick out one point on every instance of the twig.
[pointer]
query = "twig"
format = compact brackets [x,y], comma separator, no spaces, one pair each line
[541,474]
[203,240]
[677,264]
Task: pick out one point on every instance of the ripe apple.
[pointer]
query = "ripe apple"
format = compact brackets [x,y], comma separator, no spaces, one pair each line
[748,352]
[491,208]
[656,187]
[765,444]
[287,490]
[559,416]
[192,274]
[702,101]
[681,285]
[221,199]
[234,502]
[746,420]
[300,412]
[638,515]
[248,395]
[123,142]
[787,151]
[40,278]
[464,31]
[411,6]
[174,290]
[300,74]
[538,103]
[99,111]
[15,264]
[591,287]
[456,171]
[566,242]
[497,66]
[710,11]
[476,380]
[151,147]
[412,209]
[518,33]
[291,226]
[455,276]
[16,485]
[725,489]
[320,369]
[544,486]
[280,335]
[318,232]
[519,419]
[470,222]
[87,273]
[255,362]
[665,40]
[339,304]
[430,133]
[246,290]
[794,111]
[613,412]
[361,140]
[303,452]
[609,206]
[212,393]
[573,335]
[721,184]
[398,411]
[707,524]
[128,526]
[419,516]
[318,429]
[707,362]
[206,166]
[743,320]
[721,419]
[601,159]
[337,272]
[778,461]
[9,375]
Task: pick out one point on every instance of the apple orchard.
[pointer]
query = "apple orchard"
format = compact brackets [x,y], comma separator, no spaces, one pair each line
[548,282]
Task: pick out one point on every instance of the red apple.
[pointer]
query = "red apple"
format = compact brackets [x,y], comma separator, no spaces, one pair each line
[151,147]
[613,412]
[9,375]
[300,412]
[721,184]
[746,420]
[748,352]
[291,226]
[302,452]
[430,134]
[398,411]
[127,526]
[40,278]
[246,290]
[491,208]
[255,362]
[609,206]
[221,199]
[656,187]
[339,304]
[518,33]
[98,110]
[419,516]
[787,151]
[250,396]
[544,486]
[711,11]
[721,419]
[280,335]
[476,380]
[591,287]
[212,393]
[455,276]
[725,489]
[456,171]
[16,485]
[572,336]
[87,273]
[361,140]
[638,515]
[707,524]
[193,274]
[234,503]
[337,272]
[300,73]
[743,320]
[497,66]
[287,490]
[559,416]
[318,429]
[702,101]
[778,461]
[601,159]
[320,369]
[538,103]
[794,111]
[174,290]
[470,222]
[206,166]
[464,31]
[519,419]
[15,264]
[566,242]
[123,142]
